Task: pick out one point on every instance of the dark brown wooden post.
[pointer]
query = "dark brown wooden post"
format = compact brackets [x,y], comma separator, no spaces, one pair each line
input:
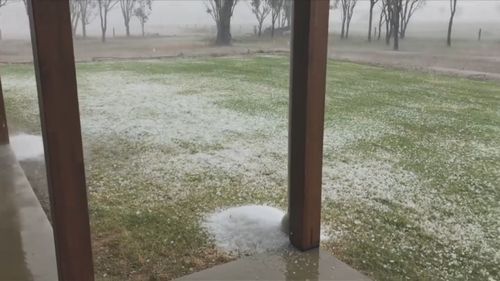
[307,106]
[4,130]
[57,94]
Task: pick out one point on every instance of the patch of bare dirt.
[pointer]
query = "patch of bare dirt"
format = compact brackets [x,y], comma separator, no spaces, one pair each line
[473,67]
[467,59]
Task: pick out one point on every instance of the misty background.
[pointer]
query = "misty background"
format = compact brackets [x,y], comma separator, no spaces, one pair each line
[168,16]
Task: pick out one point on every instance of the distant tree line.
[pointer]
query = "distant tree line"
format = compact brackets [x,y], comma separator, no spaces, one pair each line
[84,11]
[394,16]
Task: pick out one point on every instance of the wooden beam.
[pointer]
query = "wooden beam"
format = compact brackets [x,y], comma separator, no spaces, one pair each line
[4,130]
[59,113]
[307,106]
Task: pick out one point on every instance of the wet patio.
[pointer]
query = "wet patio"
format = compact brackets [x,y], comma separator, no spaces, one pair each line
[27,244]
[288,264]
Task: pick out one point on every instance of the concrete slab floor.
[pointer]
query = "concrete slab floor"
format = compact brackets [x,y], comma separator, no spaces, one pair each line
[34,169]
[26,240]
[289,264]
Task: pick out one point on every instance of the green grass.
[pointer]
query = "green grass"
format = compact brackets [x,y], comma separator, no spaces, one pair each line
[411,165]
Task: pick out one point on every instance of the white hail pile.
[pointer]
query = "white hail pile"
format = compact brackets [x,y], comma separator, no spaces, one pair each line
[27,146]
[247,229]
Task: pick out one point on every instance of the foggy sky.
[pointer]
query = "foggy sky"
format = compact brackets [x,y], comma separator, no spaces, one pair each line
[14,22]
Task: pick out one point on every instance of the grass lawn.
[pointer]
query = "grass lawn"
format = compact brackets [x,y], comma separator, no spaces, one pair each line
[411,168]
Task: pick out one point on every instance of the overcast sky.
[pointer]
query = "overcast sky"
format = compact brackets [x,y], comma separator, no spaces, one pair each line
[14,22]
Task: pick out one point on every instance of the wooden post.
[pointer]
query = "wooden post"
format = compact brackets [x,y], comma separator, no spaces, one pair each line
[307,105]
[4,130]
[52,41]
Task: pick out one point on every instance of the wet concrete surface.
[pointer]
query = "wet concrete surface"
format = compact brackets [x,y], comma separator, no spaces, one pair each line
[26,240]
[34,169]
[288,264]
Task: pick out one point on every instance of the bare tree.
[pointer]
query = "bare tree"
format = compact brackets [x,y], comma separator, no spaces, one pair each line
[396,14]
[104,7]
[142,12]
[127,7]
[221,12]
[407,10]
[396,10]
[86,14]
[286,19]
[2,3]
[261,10]
[370,20]
[453,9]
[388,19]
[276,6]
[347,13]
[382,17]
[74,9]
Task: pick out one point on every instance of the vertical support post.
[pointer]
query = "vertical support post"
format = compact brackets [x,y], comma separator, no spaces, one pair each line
[4,130]
[52,41]
[307,106]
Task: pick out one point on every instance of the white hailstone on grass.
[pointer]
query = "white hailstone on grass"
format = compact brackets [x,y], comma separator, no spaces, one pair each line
[247,229]
[27,146]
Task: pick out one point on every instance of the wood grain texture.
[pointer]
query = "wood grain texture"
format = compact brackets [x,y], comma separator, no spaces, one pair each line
[58,99]
[307,107]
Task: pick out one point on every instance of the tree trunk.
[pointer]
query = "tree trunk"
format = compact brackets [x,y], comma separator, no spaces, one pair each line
[260,29]
[142,28]
[450,26]
[342,33]
[388,32]
[75,24]
[272,30]
[224,25]
[104,27]
[84,28]
[348,23]
[379,26]
[103,16]
[402,35]
[223,33]
[279,21]
[370,21]
[395,29]
[289,16]
[127,28]
[453,8]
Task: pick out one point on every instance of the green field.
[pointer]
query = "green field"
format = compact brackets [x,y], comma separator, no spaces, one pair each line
[411,165]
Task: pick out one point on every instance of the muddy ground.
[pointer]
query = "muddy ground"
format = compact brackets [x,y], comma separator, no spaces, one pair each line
[471,59]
